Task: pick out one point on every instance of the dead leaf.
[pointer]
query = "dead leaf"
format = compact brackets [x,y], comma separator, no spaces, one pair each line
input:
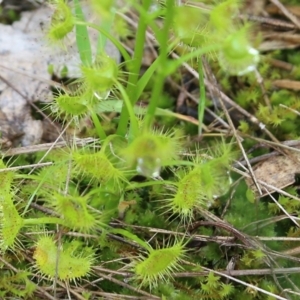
[278,171]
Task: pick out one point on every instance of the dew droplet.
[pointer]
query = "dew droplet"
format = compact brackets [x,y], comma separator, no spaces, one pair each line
[224,185]
[102,95]
[148,166]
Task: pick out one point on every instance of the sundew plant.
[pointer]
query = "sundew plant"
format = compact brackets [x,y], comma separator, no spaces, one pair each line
[152,203]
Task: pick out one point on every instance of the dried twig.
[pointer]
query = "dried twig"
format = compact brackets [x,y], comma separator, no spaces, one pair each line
[271,22]
[286,12]
[242,272]
[47,146]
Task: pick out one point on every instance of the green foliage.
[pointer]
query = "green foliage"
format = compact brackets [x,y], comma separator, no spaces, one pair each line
[6,178]
[247,97]
[98,166]
[221,16]
[244,127]
[189,27]
[290,205]
[127,205]
[103,8]
[102,75]
[253,259]
[149,152]
[214,288]
[68,105]
[198,185]
[62,21]
[274,117]
[17,285]
[159,264]
[196,27]
[73,262]
[11,222]
[237,55]
[75,212]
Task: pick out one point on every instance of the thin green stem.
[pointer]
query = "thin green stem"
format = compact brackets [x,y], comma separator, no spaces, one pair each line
[193,54]
[143,81]
[106,25]
[135,69]
[44,220]
[82,37]
[115,41]
[101,133]
[145,78]
[163,39]
[133,120]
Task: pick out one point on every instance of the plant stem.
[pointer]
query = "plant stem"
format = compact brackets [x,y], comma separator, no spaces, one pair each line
[115,41]
[157,90]
[82,37]
[129,106]
[43,220]
[106,25]
[101,133]
[135,70]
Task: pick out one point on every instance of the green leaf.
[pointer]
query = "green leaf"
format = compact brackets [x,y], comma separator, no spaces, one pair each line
[82,37]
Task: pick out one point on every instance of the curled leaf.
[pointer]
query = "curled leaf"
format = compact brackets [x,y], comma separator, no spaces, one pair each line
[159,264]
[70,263]
[62,21]
[237,56]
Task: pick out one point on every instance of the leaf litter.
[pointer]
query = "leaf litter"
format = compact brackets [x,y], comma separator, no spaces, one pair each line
[276,171]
